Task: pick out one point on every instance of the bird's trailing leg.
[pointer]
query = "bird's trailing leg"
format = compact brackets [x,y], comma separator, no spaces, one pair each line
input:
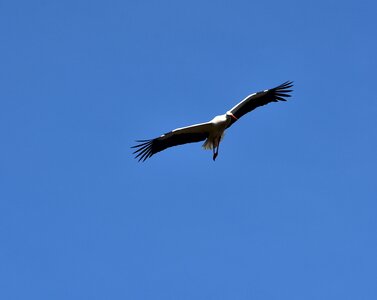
[215,154]
[216,150]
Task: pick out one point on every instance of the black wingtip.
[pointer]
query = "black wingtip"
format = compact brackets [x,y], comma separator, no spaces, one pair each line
[282,91]
[285,85]
[143,150]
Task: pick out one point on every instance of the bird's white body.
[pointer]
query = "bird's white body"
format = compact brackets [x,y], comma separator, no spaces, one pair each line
[216,131]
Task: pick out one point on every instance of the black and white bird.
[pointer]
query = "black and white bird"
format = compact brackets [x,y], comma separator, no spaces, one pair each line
[213,131]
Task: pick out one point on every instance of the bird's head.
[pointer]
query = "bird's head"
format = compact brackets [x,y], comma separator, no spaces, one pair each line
[230,116]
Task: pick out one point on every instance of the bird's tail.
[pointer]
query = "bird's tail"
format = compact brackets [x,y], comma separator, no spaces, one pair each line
[209,142]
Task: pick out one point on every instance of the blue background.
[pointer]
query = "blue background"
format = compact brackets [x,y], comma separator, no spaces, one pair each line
[288,210]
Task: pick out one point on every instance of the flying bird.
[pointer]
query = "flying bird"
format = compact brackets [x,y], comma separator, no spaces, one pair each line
[213,131]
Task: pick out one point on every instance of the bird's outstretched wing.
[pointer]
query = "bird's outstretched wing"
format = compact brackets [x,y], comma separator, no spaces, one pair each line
[261,98]
[179,136]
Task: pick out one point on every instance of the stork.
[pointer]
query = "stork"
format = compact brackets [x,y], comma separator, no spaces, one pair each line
[213,131]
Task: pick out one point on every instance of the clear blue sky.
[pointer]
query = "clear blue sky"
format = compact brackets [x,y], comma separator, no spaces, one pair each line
[288,210]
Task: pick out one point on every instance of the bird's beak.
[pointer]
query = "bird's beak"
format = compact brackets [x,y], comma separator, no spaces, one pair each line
[214,156]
